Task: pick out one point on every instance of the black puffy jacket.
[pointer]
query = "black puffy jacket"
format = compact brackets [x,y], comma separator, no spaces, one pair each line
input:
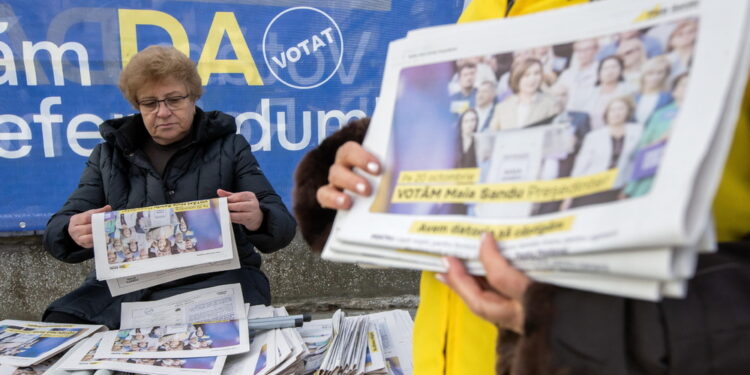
[118,173]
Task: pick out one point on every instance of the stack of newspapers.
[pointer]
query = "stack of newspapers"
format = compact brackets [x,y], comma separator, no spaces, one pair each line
[142,247]
[32,347]
[588,140]
[210,332]
[192,333]
[377,343]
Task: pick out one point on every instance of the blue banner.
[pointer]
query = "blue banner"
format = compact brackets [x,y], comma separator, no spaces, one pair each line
[291,72]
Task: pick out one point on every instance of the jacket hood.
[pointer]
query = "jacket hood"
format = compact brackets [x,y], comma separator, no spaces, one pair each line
[127,133]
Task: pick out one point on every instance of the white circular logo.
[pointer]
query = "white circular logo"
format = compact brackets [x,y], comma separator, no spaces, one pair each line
[303,47]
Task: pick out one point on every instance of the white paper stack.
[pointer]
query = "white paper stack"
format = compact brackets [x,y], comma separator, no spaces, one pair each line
[594,167]
[275,351]
[30,346]
[139,248]
[190,333]
[377,343]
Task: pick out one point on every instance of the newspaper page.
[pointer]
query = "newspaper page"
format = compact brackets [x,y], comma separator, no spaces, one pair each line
[569,189]
[317,337]
[24,343]
[297,349]
[223,302]
[37,369]
[374,358]
[654,263]
[176,341]
[396,338]
[129,284]
[624,286]
[262,344]
[82,358]
[150,239]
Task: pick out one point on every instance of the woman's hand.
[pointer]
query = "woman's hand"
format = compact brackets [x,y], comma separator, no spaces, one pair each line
[244,208]
[498,297]
[342,177]
[79,227]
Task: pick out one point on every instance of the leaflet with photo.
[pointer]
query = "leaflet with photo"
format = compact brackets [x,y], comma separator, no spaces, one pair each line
[151,239]
[24,343]
[192,340]
[82,358]
[129,284]
[570,160]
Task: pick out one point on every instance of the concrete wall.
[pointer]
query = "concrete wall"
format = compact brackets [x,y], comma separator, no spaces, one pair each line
[30,279]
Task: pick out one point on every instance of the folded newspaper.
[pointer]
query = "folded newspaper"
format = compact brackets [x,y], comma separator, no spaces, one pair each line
[142,247]
[25,343]
[378,343]
[592,153]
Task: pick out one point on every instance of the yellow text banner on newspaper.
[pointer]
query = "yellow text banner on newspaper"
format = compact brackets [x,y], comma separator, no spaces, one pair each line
[177,207]
[459,186]
[501,232]
[43,333]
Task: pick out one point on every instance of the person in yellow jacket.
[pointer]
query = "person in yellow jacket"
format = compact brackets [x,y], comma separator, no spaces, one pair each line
[448,337]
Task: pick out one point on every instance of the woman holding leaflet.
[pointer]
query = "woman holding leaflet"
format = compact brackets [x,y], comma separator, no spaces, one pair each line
[171,151]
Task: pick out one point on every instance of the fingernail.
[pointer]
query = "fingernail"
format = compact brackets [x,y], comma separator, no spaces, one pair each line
[373,167]
[360,187]
[440,277]
[340,201]
[483,237]
[446,264]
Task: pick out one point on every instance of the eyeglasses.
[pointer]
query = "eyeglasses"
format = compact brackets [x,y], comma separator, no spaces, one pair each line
[173,103]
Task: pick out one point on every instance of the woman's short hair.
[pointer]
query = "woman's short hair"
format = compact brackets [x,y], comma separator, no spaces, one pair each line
[155,64]
[601,65]
[629,102]
[518,69]
[683,24]
[657,63]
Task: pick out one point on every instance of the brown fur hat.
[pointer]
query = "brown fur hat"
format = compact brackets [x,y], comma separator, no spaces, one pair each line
[312,172]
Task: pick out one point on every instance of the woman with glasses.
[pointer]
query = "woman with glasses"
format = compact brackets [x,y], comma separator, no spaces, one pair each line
[171,151]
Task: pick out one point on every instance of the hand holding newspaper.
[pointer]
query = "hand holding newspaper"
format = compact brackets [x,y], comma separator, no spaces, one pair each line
[586,165]
[133,248]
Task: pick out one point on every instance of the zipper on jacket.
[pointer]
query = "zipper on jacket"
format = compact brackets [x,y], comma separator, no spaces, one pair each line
[169,190]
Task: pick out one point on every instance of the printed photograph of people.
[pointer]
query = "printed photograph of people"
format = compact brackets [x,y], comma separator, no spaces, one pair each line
[204,363]
[577,109]
[135,236]
[177,338]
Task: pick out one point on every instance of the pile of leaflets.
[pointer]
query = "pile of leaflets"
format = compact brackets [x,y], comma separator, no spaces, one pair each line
[592,153]
[192,332]
[273,351]
[210,332]
[139,248]
[31,347]
[377,343]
